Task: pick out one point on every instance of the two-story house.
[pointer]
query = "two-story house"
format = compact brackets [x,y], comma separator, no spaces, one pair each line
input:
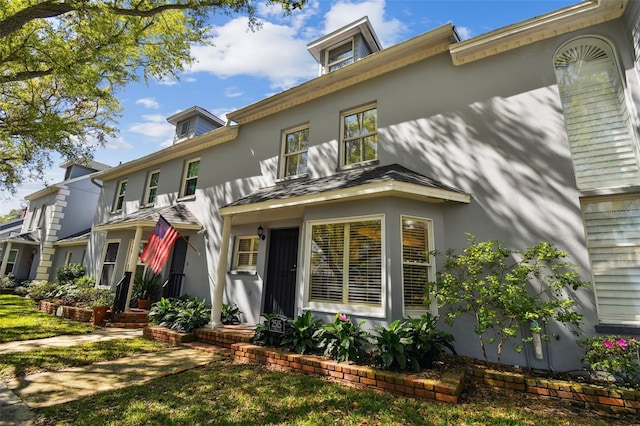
[56,227]
[330,196]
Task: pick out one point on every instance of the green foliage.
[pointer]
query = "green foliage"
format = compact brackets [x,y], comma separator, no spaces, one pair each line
[264,336]
[411,344]
[506,289]
[300,338]
[146,286]
[62,63]
[614,357]
[230,314]
[70,273]
[392,347]
[8,281]
[41,289]
[183,314]
[342,340]
[13,214]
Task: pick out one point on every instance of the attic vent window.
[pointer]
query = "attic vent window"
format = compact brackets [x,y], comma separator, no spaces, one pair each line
[340,56]
[184,129]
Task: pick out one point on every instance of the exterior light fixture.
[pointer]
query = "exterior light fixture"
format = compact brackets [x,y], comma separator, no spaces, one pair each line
[261,232]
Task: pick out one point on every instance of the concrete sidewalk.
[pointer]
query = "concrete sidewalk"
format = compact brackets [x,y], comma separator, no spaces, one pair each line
[56,387]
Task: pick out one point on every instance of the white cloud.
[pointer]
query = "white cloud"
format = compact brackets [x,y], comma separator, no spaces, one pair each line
[148,103]
[233,92]
[118,144]
[274,52]
[464,33]
[154,126]
[389,31]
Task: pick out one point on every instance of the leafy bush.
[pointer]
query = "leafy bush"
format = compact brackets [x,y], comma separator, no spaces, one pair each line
[300,338]
[183,314]
[41,289]
[265,336]
[146,286]
[70,273]
[21,290]
[8,281]
[342,340]
[614,357]
[413,343]
[507,289]
[86,281]
[230,314]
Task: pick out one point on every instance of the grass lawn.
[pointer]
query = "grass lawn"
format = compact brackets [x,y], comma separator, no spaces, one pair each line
[231,394]
[20,319]
[51,359]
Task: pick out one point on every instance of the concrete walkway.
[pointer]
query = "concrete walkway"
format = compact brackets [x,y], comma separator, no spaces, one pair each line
[56,387]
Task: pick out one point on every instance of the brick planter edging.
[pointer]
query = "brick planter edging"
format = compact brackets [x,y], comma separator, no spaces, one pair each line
[69,312]
[446,389]
[610,400]
[165,335]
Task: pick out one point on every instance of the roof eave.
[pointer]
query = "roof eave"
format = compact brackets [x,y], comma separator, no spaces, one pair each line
[190,146]
[542,27]
[416,49]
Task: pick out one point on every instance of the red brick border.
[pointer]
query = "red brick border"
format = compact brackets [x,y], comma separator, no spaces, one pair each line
[69,312]
[607,399]
[165,335]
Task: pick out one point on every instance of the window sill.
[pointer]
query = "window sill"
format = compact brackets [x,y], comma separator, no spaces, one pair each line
[618,328]
[249,273]
[288,178]
[358,165]
[186,198]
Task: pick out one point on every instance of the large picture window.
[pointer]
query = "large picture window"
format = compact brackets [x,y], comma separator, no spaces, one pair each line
[603,143]
[345,263]
[359,138]
[294,156]
[417,263]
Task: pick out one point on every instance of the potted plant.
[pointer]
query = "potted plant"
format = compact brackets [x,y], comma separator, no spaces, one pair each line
[102,300]
[145,287]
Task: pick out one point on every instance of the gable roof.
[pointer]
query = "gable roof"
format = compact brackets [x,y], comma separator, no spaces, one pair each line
[178,215]
[78,238]
[360,183]
[24,238]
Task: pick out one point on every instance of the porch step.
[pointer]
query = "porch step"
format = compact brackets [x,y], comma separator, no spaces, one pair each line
[135,318]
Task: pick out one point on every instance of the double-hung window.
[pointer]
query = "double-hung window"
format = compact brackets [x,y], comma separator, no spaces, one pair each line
[417,263]
[11,261]
[359,135]
[190,180]
[152,187]
[340,56]
[346,265]
[120,192]
[295,145]
[43,213]
[245,253]
[109,263]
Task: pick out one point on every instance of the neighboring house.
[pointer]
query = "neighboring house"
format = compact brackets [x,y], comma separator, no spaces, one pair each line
[56,215]
[329,196]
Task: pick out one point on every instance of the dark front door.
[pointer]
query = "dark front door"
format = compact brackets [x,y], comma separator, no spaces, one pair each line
[173,285]
[280,290]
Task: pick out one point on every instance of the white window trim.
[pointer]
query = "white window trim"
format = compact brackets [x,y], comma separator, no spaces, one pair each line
[183,187]
[104,253]
[32,219]
[147,189]
[342,147]
[328,65]
[43,212]
[363,310]
[284,154]
[67,257]
[117,196]
[235,267]
[433,307]
[13,264]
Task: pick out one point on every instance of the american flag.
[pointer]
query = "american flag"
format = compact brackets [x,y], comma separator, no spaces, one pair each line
[156,251]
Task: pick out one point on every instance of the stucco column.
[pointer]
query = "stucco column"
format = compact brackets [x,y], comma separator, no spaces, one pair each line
[5,259]
[217,288]
[132,262]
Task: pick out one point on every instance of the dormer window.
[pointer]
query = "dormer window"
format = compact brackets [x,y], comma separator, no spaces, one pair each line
[183,129]
[340,56]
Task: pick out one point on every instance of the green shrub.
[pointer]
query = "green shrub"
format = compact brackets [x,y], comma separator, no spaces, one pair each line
[230,314]
[265,336]
[427,342]
[342,340]
[301,331]
[183,314]
[41,289]
[614,358]
[8,281]
[392,347]
[21,290]
[70,273]
[146,286]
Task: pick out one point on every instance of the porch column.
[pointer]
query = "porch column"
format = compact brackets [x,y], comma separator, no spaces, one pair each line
[132,262]
[5,259]
[217,291]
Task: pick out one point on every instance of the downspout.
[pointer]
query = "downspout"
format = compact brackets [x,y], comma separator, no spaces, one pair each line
[217,288]
[132,263]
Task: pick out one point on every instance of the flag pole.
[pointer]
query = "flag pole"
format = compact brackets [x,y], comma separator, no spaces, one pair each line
[190,245]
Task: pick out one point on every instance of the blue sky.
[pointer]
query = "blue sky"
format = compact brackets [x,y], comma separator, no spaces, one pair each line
[243,67]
